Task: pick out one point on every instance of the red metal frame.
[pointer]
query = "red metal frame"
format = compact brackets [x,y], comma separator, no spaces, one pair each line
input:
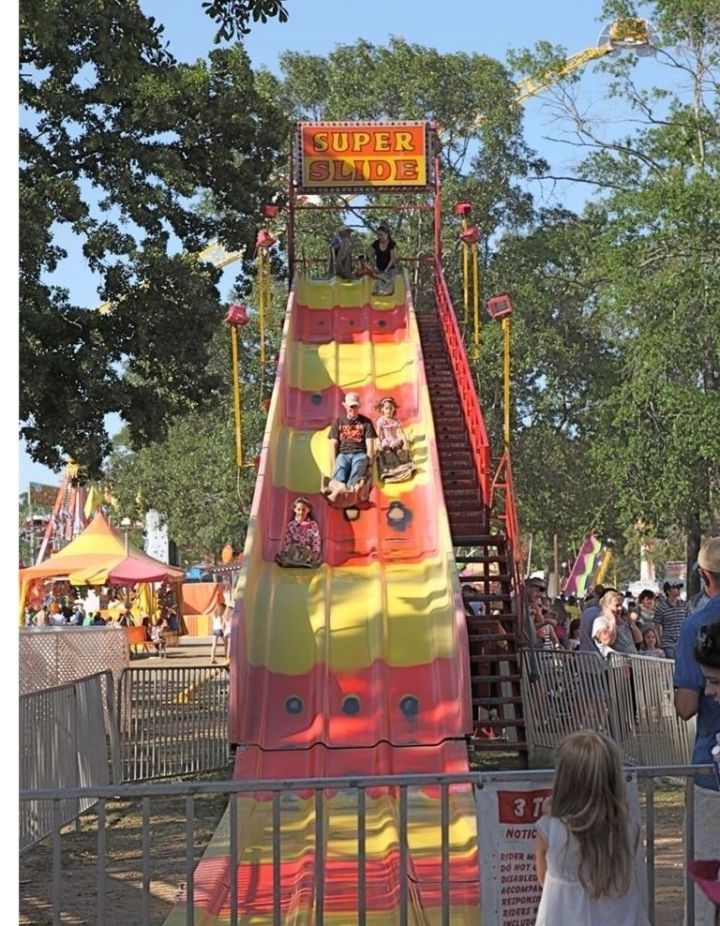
[476,430]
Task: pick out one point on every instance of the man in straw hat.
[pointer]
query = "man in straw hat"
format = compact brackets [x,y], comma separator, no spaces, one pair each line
[352,449]
[694,699]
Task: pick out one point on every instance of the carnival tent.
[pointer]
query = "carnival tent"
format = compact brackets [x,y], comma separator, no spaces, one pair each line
[100,555]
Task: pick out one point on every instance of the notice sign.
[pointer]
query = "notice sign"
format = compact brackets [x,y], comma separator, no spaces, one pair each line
[506,836]
[507,818]
[352,156]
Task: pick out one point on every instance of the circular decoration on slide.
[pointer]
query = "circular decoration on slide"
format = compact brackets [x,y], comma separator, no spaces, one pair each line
[294,705]
[410,706]
[351,705]
[398,516]
[316,398]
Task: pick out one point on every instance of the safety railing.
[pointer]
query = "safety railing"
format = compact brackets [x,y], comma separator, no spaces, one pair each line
[67,738]
[628,697]
[173,721]
[159,875]
[469,402]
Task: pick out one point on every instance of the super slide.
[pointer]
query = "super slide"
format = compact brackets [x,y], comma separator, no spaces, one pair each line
[354,669]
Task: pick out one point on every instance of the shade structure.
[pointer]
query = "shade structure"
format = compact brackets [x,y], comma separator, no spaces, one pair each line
[100,555]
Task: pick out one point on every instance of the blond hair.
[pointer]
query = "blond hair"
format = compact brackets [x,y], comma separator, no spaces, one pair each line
[590,798]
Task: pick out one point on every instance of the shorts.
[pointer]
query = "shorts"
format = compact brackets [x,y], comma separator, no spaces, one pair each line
[217,633]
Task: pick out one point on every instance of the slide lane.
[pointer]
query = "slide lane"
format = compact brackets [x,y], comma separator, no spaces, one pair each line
[359,667]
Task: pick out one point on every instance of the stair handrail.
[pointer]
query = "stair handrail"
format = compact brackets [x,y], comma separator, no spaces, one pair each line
[469,400]
[503,479]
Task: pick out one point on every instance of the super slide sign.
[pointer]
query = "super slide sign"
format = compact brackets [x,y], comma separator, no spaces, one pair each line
[351,156]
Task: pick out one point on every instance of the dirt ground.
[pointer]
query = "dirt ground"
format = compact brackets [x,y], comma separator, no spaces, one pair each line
[123,873]
[124,854]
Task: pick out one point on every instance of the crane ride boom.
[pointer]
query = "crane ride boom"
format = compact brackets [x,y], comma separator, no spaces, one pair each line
[627,34]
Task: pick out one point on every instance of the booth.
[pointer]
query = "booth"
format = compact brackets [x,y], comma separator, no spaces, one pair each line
[101,556]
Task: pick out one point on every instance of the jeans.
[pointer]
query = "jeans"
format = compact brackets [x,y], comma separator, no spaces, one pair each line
[349,467]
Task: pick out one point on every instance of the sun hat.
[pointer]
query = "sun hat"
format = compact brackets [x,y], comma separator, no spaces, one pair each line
[709,555]
[352,398]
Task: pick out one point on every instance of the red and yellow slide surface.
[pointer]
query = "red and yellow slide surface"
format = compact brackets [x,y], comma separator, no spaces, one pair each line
[357,668]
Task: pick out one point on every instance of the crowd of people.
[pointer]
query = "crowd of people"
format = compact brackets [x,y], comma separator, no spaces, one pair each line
[607,620]
[584,848]
[102,608]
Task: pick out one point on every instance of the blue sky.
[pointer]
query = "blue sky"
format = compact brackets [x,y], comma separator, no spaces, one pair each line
[317,26]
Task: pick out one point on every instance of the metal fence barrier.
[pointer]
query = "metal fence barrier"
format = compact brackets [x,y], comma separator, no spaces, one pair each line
[173,721]
[628,697]
[145,860]
[67,739]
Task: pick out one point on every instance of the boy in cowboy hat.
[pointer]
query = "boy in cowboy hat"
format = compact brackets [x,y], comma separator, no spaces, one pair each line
[352,448]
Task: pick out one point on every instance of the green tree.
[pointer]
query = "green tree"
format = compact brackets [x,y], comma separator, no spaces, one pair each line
[190,475]
[656,221]
[142,161]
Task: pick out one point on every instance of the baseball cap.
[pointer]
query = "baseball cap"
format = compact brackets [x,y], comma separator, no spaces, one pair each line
[352,398]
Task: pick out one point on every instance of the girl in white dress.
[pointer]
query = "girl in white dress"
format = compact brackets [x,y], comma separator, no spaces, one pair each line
[584,851]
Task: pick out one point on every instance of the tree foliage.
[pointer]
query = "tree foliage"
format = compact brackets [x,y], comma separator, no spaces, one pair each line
[191,474]
[120,147]
[651,240]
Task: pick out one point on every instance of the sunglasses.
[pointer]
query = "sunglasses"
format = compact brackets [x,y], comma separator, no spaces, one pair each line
[704,642]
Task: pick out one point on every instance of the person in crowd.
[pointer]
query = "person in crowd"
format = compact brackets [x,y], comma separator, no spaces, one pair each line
[587,618]
[585,847]
[573,642]
[468,593]
[301,546]
[697,657]
[562,622]
[383,252]
[393,452]
[98,620]
[627,636]
[341,254]
[646,611]
[700,598]
[670,614]
[218,633]
[57,619]
[604,634]
[352,450]
[157,637]
[650,645]
[544,629]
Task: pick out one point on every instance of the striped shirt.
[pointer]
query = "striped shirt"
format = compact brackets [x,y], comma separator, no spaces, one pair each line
[670,618]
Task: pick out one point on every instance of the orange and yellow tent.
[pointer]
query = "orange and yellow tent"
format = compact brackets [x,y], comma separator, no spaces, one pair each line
[100,555]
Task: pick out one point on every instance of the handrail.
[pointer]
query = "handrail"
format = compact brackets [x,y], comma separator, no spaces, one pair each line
[469,401]
[512,533]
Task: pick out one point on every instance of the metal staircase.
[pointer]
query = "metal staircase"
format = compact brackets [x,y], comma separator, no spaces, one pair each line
[478,511]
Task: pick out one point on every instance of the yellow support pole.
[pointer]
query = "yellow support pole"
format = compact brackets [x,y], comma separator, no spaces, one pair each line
[466,300]
[236,395]
[506,379]
[476,301]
